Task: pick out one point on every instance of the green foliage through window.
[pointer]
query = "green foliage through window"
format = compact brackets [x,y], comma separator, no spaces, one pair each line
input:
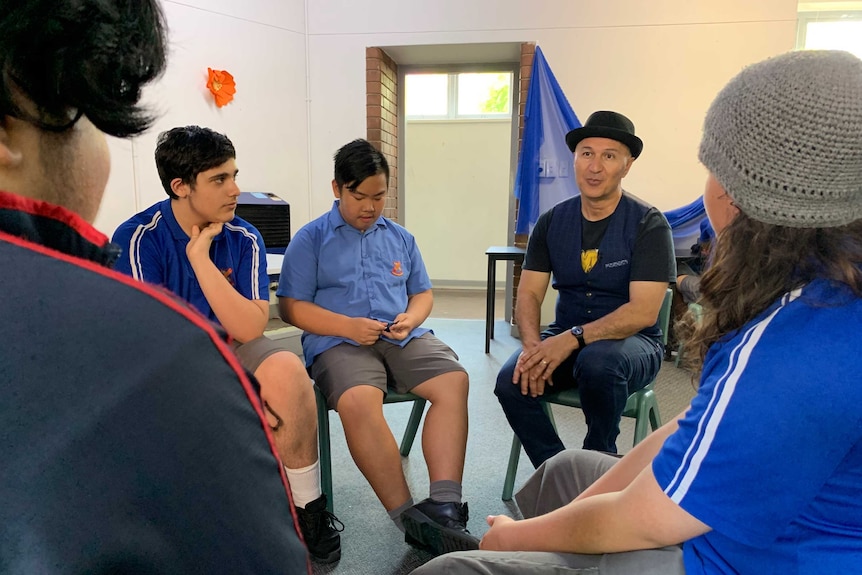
[498,101]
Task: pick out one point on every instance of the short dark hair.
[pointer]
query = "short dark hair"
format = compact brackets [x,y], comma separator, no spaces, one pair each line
[63,59]
[356,161]
[187,151]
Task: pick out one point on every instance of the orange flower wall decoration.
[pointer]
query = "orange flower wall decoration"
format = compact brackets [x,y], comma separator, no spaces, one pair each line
[222,86]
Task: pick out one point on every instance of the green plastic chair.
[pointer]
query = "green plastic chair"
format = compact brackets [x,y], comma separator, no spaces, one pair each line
[326,449]
[641,405]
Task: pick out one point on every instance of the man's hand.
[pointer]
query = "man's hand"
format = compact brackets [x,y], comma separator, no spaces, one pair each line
[536,365]
[365,331]
[500,537]
[400,327]
[198,247]
[532,381]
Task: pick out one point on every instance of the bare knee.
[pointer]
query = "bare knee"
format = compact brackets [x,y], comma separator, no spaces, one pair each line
[361,401]
[284,383]
[451,387]
[282,365]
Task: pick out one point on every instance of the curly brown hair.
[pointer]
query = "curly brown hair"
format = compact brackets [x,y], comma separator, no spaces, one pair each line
[754,263]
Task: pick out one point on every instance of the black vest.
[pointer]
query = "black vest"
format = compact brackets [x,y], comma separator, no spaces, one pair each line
[585,297]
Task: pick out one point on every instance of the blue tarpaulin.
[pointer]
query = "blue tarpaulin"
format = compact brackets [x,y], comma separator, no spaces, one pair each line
[685,223]
[545,174]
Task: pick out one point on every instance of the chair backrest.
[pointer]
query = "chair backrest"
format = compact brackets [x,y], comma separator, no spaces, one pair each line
[696,310]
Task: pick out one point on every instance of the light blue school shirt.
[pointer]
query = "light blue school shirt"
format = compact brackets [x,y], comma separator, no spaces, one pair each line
[358,274]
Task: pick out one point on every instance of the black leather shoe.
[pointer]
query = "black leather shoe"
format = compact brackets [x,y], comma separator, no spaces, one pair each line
[320,529]
[438,527]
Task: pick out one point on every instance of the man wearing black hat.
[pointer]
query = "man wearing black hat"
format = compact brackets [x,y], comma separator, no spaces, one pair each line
[611,257]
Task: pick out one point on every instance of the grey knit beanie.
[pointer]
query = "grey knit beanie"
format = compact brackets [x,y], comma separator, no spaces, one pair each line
[784,139]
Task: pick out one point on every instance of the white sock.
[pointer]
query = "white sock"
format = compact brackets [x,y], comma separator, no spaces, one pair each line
[304,484]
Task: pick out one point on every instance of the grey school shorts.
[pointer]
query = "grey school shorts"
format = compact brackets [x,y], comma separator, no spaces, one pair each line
[383,365]
[252,353]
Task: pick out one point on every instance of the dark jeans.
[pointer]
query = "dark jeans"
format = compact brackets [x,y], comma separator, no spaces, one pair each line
[606,372]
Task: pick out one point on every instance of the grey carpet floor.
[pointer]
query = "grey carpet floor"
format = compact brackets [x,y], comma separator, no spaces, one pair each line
[371,544]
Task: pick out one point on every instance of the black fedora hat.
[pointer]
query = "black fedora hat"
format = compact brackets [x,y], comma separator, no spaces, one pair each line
[612,125]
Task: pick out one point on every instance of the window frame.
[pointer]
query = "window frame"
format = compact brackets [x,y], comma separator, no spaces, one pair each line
[452,92]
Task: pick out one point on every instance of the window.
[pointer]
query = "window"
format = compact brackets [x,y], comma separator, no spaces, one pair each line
[427,94]
[830,31]
[458,95]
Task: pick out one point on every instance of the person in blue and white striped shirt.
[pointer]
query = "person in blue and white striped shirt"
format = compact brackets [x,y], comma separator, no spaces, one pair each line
[193,244]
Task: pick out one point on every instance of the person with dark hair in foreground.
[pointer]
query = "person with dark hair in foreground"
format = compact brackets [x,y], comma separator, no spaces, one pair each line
[132,440]
[194,245]
[762,474]
[356,283]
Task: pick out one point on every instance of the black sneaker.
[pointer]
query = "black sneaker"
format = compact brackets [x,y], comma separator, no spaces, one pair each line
[438,527]
[320,529]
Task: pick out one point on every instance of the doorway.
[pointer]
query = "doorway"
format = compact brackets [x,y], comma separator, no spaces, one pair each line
[452,175]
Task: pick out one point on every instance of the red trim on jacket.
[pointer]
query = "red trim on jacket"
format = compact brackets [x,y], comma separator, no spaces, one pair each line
[170,302]
[54,212]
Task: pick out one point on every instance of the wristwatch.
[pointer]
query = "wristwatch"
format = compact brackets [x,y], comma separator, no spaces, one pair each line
[578,332]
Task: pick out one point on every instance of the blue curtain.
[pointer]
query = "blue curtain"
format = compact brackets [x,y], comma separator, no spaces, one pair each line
[545,174]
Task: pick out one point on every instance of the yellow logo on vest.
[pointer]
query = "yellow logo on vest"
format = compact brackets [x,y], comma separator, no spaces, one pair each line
[589,259]
[396,269]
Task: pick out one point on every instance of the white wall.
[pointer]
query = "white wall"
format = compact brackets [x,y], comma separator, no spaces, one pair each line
[659,62]
[262,43]
[457,205]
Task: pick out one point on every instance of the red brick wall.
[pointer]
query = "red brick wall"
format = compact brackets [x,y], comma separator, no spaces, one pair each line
[381,99]
[528,50]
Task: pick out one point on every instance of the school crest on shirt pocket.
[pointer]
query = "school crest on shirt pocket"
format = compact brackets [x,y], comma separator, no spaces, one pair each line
[397,270]
[229,276]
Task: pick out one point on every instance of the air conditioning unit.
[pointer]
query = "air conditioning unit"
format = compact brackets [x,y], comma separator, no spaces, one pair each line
[270,215]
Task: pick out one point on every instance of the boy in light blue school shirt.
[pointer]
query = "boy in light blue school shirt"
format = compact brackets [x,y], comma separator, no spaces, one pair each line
[371,273]
[355,282]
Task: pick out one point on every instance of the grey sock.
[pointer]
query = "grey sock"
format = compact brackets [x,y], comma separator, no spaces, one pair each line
[395,514]
[446,491]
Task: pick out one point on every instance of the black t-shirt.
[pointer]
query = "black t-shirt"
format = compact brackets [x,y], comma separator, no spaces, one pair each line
[652,258]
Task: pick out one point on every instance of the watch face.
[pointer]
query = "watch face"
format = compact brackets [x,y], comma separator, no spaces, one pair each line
[577,330]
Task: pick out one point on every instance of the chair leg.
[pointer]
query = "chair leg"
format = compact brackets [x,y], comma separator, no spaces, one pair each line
[324,448]
[514,457]
[641,417]
[647,414]
[640,428]
[654,416]
[412,427]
